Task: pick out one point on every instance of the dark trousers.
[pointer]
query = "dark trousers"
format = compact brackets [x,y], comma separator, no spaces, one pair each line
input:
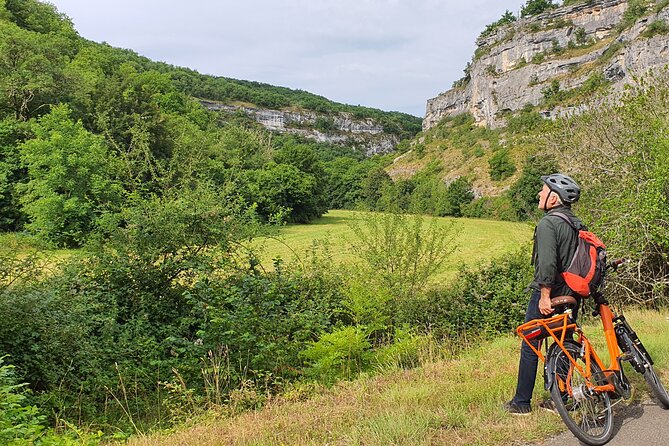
[527,368]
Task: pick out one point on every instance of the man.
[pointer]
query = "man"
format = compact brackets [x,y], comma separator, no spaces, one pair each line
[555,243]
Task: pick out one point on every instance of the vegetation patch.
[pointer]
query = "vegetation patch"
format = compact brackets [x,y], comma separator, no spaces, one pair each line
[456,401]
[655,28]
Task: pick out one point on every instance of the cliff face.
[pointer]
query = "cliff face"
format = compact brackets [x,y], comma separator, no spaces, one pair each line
[515,65]
[341,128]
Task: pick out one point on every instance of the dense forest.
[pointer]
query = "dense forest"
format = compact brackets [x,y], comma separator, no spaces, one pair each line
[162,309]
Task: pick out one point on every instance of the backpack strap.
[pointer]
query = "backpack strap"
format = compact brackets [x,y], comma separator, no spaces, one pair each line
[567,219]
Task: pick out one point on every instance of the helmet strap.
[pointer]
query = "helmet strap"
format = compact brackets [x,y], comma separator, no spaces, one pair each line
[550,191]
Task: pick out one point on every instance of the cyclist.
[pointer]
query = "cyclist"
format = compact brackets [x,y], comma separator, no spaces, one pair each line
[555,243]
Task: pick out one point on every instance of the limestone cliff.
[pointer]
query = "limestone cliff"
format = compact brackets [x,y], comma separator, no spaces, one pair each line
[563,49]
[340,128]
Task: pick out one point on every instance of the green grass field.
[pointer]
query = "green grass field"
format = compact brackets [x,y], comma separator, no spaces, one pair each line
[478,241]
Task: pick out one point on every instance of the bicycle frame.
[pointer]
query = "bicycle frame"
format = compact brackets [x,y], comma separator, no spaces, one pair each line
[557,328]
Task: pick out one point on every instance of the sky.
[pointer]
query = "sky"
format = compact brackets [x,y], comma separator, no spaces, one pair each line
[388,54]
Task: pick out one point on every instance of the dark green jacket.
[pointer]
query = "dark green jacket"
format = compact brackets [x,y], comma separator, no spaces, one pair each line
[554,246]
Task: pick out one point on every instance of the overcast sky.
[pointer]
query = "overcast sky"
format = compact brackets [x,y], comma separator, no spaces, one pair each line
[387,54]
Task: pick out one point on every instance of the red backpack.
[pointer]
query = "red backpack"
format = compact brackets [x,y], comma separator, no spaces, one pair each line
[584,273]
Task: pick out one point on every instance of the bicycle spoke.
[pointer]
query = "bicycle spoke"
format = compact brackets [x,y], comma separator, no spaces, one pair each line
[587,415]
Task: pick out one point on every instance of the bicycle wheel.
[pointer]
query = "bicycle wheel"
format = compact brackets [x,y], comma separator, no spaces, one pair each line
[643,364]
[650,376]
[588,416]
[656,386]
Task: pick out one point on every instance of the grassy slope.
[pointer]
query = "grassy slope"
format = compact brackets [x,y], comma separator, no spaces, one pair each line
[454,402]
[479,240]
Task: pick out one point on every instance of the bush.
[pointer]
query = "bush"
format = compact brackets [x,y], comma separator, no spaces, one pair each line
[267,319]
[402,251]
[18,420]
[635,10]
[494,208]
[655,28]
[487,300]
[500,165]
[534,7]
[341,354]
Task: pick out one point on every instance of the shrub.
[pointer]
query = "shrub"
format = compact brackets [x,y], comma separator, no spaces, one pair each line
[635,10]
[495,208]
[526,120]
[655,28]
[534,7]
[489,299]
[506,19]
[18,420]
[266,319]
[341,354]
[500,165]
[402,251]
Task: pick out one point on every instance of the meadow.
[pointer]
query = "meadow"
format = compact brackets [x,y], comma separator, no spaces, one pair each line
[478,241]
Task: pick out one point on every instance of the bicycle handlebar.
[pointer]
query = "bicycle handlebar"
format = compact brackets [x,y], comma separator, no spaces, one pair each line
[614,264]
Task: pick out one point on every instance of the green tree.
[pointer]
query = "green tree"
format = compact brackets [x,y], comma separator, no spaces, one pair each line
[458,194]
[523,193]
[500,165]
[12,133]
[72,179]
[282,190]
[619,154]
[345,176]
[31,68]
[373,186]
[534,7]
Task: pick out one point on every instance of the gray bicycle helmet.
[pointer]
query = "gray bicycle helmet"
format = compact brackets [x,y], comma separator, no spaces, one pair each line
[566,188]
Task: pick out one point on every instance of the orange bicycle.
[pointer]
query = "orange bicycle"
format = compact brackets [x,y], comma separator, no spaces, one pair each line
[581,387]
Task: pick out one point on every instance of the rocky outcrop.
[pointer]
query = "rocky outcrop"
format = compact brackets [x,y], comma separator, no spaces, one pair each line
[341,128]
[515,65]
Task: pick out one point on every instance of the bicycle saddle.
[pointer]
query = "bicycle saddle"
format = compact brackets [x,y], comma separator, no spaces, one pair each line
[564,302]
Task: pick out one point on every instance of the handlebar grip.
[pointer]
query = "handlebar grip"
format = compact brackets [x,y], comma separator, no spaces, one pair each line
[617,262]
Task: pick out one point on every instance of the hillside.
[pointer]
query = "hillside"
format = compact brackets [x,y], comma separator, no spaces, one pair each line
[75,65]
[526,73]
[554,61]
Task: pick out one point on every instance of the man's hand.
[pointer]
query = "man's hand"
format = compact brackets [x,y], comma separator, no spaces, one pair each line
[545,301]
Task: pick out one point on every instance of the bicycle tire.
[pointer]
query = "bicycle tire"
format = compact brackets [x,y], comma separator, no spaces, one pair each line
[589,418]
[644,364]
[656,386]
[652,379]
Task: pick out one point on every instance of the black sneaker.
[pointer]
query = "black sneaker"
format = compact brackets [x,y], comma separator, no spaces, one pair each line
[548,405]
[515,409]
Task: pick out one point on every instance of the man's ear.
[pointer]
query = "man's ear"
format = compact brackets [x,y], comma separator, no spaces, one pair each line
[553,199]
